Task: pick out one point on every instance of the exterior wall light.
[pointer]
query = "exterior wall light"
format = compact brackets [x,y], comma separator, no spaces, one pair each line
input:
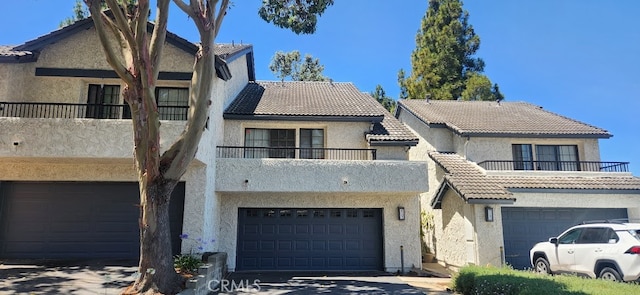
[488,214]
[400,213]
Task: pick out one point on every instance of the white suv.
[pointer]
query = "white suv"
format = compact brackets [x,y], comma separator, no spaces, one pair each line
[604,250]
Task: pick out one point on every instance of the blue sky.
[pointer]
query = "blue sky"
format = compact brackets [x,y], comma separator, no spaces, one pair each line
[578,58]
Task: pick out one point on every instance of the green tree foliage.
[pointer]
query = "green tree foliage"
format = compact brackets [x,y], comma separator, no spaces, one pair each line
[443,65]
[289,64]
[386,101]
[79,12]
[300,16]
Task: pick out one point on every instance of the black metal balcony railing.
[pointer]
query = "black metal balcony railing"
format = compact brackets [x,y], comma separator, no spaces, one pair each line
[76,110]
[295,153]
[556,165]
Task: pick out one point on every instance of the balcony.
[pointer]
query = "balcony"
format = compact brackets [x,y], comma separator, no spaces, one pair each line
[296,153]
[89,111]
[590,166]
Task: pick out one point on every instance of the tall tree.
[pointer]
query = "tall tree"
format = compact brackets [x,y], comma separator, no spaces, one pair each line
[443,65]
[135,57]
[289,64]
[381,96]
[79,12]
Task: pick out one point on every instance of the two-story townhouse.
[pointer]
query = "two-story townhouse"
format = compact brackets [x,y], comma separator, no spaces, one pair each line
[505,175]
[288,176]
[68,187]
[315,176]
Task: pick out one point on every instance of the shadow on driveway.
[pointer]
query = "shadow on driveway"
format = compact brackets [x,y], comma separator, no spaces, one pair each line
[66,277]
[314,283]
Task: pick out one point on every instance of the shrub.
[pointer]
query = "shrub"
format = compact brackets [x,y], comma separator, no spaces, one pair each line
[187,263]
[506,281]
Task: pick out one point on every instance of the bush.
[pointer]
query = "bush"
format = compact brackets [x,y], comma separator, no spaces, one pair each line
[187,263]
[491,280]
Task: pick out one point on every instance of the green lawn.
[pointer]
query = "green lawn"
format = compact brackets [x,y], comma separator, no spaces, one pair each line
[491,280]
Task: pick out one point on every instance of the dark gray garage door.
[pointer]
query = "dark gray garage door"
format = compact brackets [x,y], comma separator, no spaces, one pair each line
[309,239]
[524,227]
[69,220]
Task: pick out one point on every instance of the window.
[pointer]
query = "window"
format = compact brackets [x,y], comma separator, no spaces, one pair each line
[595,235]
[311,144]
[522,157]
[269,143]
[557,157]
[173,103]
[570,237]
[103,102]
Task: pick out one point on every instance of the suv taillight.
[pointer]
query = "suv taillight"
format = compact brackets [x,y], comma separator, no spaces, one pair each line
[633,250]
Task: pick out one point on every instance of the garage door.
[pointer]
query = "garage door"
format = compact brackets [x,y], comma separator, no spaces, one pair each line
[524,227]
[309,239]
[70,220]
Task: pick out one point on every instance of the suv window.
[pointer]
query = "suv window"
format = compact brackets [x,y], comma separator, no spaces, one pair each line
[595,235]
[570,237]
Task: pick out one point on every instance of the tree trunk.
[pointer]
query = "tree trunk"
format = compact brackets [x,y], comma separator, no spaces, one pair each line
[156,270]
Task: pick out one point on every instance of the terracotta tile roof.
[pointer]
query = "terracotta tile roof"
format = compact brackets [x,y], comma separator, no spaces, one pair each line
[224,50]
[471,182]
[488,118]
[587,183]
[318,101]
[468,179]
[304,99]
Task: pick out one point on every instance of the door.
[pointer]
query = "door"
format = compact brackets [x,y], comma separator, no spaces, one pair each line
[76,220]
[309,239]
[523,227]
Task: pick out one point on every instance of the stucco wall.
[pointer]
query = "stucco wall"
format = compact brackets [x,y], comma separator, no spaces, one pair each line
[400,153]
[577,199]
[396,233]
[488,235]
[432,139]
[450,232]
[75,138]
[12,80]
[290,175]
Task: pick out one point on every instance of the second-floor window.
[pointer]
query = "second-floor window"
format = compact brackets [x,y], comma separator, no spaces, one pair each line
[281,143]
[172,103]
[547,157]
[103,102]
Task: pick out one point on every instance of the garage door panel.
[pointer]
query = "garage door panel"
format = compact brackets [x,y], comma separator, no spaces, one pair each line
[68,220]
[311,239]
[523,227]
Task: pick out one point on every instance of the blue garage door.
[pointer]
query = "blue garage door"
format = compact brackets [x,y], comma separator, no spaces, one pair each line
[524,227]
[76,220]
[309,239]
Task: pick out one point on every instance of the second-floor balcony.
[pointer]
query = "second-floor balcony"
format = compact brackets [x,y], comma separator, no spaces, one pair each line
[590,166]
[296,153]
[84,111]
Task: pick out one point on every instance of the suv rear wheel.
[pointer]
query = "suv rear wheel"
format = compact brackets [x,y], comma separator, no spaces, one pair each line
[542,265]
[610,274]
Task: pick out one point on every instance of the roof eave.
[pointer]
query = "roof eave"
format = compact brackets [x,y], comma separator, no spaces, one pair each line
[369,119]
[529,135]
[488,201]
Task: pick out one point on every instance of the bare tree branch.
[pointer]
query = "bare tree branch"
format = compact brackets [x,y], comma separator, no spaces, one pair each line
[159,35]
[221,14]
[121,22]
[108,44]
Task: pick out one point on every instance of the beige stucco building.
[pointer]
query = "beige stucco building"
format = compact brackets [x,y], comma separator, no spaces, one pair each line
[288,176]
[505,175]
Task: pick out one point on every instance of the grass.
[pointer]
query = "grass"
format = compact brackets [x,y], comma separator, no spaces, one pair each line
[478,280]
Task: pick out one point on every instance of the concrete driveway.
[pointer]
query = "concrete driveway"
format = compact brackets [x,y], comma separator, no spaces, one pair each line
[68,277]
[319,283]
[110,277]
